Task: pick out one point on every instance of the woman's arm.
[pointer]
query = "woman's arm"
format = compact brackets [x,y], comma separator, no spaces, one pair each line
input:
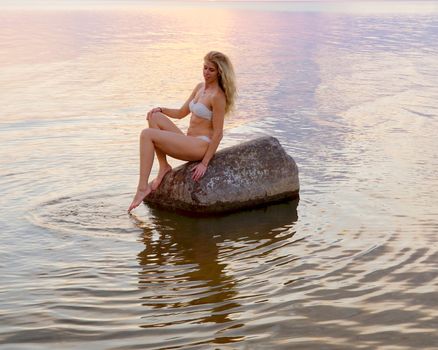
[181,112]
[218,104]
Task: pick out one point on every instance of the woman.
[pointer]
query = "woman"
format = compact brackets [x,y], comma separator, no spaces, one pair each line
[209,102]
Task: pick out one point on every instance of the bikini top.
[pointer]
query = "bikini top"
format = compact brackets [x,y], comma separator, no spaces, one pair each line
[200,109]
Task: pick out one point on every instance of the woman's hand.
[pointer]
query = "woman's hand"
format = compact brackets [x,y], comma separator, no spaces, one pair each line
[199,171]
[153,110]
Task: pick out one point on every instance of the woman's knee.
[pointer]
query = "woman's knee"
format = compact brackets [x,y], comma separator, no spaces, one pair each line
[146,133]
[154,119]
[151,134]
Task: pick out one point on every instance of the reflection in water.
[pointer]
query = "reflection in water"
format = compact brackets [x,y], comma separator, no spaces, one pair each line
[183,265]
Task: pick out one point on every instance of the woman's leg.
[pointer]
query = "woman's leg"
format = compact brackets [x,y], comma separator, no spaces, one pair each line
[159,121]
[146,161]
[173,144]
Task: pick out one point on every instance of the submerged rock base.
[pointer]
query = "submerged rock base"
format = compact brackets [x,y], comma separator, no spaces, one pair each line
[248,175]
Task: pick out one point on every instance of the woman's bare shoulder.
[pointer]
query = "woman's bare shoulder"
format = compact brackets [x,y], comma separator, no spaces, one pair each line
[218,100]
[218,95]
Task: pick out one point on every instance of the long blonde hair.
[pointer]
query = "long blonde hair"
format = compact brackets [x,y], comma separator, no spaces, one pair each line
[226,77]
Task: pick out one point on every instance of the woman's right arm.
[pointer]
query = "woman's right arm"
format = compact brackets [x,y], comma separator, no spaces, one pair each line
[181,112]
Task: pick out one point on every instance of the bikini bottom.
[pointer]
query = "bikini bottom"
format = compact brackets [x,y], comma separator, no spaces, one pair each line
[204,138]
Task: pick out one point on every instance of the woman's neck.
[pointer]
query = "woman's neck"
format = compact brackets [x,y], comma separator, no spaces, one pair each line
[211,86]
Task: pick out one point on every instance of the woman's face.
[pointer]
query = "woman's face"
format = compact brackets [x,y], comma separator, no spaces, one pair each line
[210,71]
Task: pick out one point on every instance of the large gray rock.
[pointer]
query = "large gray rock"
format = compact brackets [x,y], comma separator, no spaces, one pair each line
[243,176]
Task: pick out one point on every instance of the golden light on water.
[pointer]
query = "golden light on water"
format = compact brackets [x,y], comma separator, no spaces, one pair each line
[118,65]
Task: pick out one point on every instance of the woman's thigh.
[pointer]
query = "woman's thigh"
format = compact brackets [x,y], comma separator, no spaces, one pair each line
[178,146]
[162,122]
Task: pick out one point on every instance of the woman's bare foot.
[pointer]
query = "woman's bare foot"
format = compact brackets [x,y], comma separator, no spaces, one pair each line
[161,173]
[138,198]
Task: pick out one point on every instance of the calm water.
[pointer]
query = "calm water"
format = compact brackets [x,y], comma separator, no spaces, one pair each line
[350,93]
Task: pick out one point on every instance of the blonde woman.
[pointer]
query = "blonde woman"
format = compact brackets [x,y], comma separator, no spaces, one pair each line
[208,104]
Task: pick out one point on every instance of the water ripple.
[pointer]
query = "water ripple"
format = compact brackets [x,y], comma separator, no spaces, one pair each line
[94,213]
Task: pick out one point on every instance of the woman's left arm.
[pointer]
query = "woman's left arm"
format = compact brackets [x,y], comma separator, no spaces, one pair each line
[218,104]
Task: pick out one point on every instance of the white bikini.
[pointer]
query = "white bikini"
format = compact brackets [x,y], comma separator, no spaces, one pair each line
[205,138]
[201,111]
